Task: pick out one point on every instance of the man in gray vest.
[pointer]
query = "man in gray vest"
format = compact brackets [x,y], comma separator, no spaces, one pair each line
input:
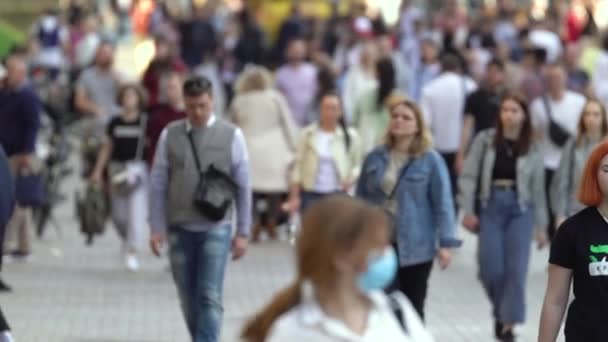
[198,247]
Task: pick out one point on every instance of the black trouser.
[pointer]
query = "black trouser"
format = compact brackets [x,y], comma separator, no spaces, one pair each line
[449,159]
[548,178]
[3,324]
[413,281]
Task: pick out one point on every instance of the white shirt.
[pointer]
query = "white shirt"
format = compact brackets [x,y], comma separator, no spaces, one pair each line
[566,112]
[307,322]
[328,180]
[442,103]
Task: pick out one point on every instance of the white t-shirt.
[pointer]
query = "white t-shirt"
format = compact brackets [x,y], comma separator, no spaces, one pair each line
[566,113]
[327,174]
[442,104]
[308,322]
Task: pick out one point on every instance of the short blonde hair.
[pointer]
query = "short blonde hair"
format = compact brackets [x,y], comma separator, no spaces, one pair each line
[423,140]
[253,78]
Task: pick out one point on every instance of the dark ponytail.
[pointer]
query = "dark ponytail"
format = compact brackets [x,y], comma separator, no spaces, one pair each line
[344,127]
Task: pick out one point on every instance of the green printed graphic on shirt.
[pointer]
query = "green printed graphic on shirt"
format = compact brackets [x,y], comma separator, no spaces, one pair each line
[598,267]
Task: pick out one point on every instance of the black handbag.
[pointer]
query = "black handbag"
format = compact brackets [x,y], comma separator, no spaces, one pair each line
[29,190]
[558,134]
[215,190]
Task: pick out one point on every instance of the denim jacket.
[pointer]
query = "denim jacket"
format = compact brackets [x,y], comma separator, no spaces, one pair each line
[567,177]
[530,178]
[425,217]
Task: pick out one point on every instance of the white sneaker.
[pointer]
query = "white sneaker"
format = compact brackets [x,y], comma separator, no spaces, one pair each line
[132,263]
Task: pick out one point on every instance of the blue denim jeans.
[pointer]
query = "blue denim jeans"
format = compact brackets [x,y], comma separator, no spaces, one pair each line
[198,261]
[505,240]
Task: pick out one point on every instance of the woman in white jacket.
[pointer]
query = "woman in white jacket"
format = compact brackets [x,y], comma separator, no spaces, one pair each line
[344,260]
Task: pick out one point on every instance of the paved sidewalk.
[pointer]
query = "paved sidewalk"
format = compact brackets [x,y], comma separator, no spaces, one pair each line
[68,292]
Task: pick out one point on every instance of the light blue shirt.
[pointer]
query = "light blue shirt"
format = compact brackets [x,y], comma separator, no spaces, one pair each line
[239,171]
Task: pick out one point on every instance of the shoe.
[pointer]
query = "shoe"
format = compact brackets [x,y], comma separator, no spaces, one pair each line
[498,329]
[18,255]
[132,263]
[4,287]
[507,336]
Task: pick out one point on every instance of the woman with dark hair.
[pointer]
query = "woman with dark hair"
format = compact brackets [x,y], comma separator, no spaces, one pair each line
[371,113]
[122,154]
[592,128]
[343,259]
[327,158]
[504,172]
[578,259]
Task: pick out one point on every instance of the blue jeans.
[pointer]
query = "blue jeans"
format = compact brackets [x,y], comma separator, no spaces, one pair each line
[198,261]
[505,240]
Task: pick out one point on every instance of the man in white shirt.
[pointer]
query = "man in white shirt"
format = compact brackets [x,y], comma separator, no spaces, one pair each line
[442,102]
[562,106]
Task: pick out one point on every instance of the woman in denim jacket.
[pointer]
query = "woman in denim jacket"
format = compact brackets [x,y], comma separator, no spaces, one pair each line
[508,169]
[592,127]
[410,180]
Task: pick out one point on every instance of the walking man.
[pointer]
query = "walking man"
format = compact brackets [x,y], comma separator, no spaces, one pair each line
[198,244]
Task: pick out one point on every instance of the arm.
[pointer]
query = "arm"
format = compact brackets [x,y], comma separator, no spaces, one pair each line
[442,204]
[240,174]
[83,104]
[556,300]
[102,158]
[289,126]
[467,182]
[360,187]
[296,176]
[538,195]
[31,117]
[159,182]
[559,195]
[465,138]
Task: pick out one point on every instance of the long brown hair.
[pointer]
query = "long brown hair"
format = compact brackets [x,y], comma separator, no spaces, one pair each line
[581,130]
[331,225]
[423,140]
[524,142]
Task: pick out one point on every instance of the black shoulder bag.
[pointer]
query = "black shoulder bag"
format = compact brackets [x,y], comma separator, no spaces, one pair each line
[558,134]
[215,190]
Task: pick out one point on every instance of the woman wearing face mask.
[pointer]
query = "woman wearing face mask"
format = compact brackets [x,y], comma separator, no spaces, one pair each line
[410,181]
[344,259]
[327,158]
[592,127]
[508,169]
[122,153]
[578,258]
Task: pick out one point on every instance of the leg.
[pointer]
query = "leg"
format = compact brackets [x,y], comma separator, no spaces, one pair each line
[548,178]
[120,214]
[517,244]
[413,282]
[138,212]
[213,248]
[182,256]
[491,251]
[25,231]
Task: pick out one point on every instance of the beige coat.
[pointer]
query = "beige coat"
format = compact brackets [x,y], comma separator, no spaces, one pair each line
[271,137]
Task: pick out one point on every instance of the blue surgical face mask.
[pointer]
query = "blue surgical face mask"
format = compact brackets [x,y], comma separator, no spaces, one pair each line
[381,270]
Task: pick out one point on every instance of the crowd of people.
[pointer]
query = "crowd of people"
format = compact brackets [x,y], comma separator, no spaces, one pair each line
[490,116]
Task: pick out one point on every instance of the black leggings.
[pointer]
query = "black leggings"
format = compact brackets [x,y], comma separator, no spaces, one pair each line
[3,324]
[413,281]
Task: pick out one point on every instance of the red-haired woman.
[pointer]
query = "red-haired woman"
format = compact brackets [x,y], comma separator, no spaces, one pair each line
[344,259]
[579,254]
[504,172]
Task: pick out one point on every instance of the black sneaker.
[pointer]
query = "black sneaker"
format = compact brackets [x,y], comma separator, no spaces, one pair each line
[20,256]
[507,336]
[4,287]
[498,329]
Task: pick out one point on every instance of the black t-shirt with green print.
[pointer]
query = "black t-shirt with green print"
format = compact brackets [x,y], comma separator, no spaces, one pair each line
[581,244]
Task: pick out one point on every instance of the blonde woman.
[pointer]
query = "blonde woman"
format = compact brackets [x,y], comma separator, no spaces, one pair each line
[592,127]
[411,182]
[270,132]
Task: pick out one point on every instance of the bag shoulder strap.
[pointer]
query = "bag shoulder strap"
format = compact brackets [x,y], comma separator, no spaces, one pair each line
[571,166]
[143,125]
[194,153]
[547,106]
[401,174]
